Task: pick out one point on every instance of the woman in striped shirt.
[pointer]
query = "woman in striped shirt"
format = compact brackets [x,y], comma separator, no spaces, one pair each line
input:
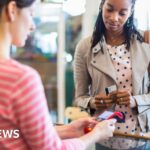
[24,118]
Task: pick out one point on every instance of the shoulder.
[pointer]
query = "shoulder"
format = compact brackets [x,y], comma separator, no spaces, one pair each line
[86,40]
[21,70]
[84,45]
[27,80]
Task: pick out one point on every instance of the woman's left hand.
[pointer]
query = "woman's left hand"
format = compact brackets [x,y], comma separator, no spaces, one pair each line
[123,98]
[76,128]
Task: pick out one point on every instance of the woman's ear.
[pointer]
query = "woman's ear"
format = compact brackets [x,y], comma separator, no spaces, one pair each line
[11,10]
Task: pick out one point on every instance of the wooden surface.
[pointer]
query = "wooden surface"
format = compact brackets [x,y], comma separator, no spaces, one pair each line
[132,136]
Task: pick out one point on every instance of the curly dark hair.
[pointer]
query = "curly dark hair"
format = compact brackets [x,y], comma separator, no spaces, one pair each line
[20,3]
[129,28]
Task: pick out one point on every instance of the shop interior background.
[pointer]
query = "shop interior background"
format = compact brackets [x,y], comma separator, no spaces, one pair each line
[60,24]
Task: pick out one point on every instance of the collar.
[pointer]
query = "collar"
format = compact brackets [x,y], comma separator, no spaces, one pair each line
[99,45]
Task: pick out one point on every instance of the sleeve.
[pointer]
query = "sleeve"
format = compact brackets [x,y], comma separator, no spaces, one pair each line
[143,103]
[82,78]
[143,107]
[33,119]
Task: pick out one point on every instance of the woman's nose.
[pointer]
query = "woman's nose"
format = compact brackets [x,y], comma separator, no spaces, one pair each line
[115,16]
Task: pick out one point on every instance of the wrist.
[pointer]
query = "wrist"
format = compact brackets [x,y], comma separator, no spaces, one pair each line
[133,103]
[91,103]
[89,138]
[62,131]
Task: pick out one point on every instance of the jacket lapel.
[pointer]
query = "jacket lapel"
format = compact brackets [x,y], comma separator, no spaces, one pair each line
[101,60]
[140,58]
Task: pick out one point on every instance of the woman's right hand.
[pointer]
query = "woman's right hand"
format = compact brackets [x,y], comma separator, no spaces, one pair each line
[101,101]
[104,129]
[101,131]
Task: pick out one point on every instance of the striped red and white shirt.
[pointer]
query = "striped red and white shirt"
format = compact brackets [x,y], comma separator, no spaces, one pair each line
[23,107]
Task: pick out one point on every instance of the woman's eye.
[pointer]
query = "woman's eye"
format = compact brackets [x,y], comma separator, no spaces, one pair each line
[122,14]
[109,10]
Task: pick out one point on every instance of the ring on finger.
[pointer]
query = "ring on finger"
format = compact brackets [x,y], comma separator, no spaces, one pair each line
[121,99]
[101,101]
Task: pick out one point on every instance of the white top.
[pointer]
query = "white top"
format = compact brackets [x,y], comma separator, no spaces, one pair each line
[121,60]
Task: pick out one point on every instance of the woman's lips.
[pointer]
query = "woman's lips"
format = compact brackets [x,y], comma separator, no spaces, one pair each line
[113,26]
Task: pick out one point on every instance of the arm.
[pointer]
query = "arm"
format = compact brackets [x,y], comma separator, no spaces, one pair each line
[75,128]
[36,129]
[81,75]
[142,101]
[63,132]
[83,81]
[143,108]
[32,116]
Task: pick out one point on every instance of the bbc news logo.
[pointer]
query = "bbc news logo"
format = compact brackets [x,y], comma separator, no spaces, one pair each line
[9,134]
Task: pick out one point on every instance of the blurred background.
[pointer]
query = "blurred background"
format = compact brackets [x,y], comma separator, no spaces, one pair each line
[60,24]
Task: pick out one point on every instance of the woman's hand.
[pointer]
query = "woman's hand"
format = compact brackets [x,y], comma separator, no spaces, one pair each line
[101,101]
[76,128]
[123,97]
[104,129]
